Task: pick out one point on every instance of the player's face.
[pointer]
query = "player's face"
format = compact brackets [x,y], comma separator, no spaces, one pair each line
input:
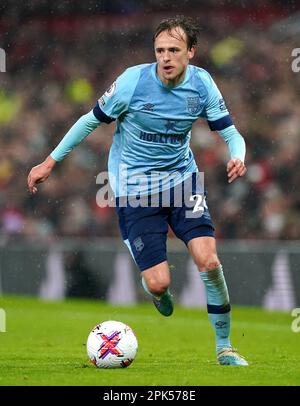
[172,55]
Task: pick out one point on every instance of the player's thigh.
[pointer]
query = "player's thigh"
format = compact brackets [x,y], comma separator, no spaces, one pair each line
[144,230]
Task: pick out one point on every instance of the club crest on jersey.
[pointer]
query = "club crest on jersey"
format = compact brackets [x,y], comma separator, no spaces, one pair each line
[111,90]
[193,104]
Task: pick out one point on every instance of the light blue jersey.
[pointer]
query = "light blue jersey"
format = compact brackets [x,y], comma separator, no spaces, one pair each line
[151,143]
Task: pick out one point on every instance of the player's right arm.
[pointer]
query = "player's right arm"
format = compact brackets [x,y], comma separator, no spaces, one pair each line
[82,128]
[40,173]
[110,106]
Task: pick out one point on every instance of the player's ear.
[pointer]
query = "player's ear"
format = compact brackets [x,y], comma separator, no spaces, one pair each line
[191,52]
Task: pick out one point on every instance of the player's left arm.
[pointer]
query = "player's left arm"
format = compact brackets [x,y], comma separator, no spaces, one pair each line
[237,148]
[219,120]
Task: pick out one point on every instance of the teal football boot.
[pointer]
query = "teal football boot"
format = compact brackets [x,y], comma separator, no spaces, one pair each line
[164,304]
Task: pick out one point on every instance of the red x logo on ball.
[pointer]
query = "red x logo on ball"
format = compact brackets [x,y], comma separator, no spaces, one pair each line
[109,345]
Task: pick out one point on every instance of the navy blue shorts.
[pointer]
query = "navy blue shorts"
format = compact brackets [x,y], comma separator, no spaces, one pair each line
[144,229]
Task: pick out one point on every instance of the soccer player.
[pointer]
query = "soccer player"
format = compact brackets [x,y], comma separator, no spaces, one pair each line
[155,106]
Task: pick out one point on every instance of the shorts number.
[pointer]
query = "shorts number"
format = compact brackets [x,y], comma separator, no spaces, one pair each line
[200,204]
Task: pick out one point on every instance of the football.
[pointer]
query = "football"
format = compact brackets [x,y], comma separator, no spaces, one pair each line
[112,344]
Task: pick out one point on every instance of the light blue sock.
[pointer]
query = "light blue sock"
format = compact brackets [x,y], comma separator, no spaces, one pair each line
[218,306]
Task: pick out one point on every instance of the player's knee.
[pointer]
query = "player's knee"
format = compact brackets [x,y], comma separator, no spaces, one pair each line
[212,264]
[158,286]
[207,262]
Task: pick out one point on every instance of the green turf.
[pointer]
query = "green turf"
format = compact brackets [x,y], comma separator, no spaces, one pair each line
[45,345]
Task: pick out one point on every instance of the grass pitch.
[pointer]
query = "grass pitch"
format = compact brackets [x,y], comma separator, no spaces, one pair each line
[45,345]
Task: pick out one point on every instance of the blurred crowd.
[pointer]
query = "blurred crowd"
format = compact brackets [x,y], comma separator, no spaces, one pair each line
[59,64]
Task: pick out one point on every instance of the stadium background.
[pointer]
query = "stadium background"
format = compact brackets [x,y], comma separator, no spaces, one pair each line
[61,57]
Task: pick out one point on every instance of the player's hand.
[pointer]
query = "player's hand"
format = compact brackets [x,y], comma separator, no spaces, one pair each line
[39,174]
[235,169]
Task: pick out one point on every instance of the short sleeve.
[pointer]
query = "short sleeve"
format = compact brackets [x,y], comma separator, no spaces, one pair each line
[215,110]
[115,101]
